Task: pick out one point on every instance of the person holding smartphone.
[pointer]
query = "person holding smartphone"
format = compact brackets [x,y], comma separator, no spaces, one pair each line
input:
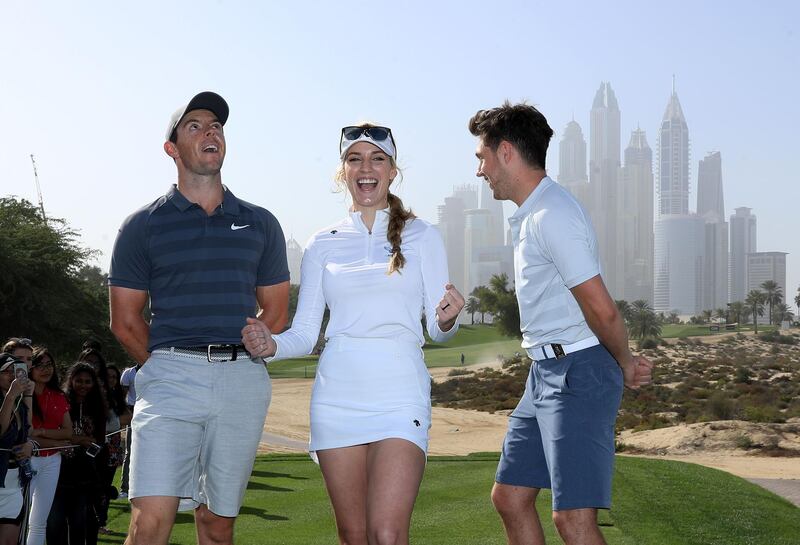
[52,428]
[15,392]
[72,518]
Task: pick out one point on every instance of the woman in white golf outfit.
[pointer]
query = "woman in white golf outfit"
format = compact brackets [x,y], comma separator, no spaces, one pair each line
[377,270]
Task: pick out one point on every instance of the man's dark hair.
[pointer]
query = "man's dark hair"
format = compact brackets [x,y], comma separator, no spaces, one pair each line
[520,124]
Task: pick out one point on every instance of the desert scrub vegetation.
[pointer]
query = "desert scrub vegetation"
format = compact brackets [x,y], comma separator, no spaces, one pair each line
[486,389]
[737,378]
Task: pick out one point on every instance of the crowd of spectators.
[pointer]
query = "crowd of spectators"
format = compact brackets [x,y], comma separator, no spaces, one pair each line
[61,443]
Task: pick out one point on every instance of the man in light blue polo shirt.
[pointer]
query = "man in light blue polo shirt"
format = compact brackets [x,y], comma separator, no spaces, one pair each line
[561,435]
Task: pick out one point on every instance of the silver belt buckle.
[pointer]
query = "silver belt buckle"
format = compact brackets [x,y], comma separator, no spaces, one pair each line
[230,347]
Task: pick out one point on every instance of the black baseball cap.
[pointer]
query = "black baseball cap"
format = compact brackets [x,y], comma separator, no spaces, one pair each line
[207,100]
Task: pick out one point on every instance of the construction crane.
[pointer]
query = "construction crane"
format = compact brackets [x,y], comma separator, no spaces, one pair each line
[38,187]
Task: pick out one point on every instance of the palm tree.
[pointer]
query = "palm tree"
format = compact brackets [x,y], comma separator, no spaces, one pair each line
[755,300]
[738,309]
[773,295]
[706,316]
[797,301]
[673,318]
[782,312]
[472,308]
[720,314]
[644,322]
[484,296]
[624,309]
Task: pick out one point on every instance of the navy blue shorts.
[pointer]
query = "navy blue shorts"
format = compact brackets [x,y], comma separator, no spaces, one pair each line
[561,435]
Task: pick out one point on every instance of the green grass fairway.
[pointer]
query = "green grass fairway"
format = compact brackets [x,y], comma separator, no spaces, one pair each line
[478,343]
[294,368]
[655,503]
[669,331]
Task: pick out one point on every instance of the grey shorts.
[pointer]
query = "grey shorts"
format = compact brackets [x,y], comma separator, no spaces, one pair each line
[196,428]
[561,436]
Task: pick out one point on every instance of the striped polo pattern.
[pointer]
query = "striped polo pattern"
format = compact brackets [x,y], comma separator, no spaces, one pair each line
[200,270]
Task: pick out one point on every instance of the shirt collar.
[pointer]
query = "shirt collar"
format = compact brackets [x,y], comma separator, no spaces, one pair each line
[381,220]
[528,203]
[230,204]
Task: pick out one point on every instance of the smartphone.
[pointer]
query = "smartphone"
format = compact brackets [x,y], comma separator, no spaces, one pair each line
[20,370]
[93,450]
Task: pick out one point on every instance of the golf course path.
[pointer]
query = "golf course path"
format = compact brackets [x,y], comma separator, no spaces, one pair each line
[786,488]
[271,440]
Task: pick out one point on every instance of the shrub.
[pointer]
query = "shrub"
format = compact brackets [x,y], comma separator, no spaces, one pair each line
[743,375]
[763,414]
[648,343]
[721,407]
[744,442]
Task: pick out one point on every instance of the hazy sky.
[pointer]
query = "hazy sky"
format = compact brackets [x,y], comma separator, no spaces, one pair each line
[88,87]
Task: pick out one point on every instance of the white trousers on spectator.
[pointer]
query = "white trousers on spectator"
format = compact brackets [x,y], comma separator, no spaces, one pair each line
[43,488]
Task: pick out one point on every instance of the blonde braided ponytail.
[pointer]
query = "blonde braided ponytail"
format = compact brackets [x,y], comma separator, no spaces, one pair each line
[398,216]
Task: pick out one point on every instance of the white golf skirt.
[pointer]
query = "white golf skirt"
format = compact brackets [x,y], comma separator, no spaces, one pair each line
[367,390]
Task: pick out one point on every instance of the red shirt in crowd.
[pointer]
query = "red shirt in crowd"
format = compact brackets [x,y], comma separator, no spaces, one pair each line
[53,405]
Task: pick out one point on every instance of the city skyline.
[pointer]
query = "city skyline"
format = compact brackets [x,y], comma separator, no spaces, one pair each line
[89,97]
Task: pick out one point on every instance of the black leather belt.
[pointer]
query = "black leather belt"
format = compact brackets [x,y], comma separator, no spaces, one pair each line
[214,352]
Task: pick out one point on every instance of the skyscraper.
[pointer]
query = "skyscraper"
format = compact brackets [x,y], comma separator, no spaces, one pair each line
[636,219]
[572,164]
[495,208]
[294,256]
[673,160]
[451,227]
[763,266]
[743,242]
[603,170]
[679,235]
[711,207]
[679,246]
[710,201]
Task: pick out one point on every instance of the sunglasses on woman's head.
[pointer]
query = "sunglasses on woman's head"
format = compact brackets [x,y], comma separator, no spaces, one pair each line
[378,134]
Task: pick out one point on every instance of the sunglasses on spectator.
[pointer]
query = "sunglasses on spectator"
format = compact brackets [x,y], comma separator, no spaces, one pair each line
[21,340]
[43,364]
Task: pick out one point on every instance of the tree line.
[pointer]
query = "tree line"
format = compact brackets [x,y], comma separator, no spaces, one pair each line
[500,301]
[48,290]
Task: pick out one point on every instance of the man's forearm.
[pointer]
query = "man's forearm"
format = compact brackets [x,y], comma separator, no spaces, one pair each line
[613,336]
[134,339]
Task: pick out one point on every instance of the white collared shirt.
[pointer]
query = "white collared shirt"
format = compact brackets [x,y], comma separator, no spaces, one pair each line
[344,267]
[555,249]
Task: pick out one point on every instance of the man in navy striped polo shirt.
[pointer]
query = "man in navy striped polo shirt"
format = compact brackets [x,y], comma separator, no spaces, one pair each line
[206,261]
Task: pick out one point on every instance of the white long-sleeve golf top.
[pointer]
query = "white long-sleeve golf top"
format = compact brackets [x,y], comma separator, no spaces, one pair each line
[344,266]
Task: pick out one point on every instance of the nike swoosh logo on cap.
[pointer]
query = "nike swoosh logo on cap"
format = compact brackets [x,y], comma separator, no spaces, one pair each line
[235,227]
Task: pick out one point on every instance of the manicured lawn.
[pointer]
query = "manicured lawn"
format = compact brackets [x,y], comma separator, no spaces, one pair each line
[478,343]
[692,330]
[294,368]
[470,334]
[656,503]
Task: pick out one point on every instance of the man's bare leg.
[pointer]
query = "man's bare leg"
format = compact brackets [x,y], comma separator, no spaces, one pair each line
[517,508]
[213,529]
[152,518]
[578,527]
